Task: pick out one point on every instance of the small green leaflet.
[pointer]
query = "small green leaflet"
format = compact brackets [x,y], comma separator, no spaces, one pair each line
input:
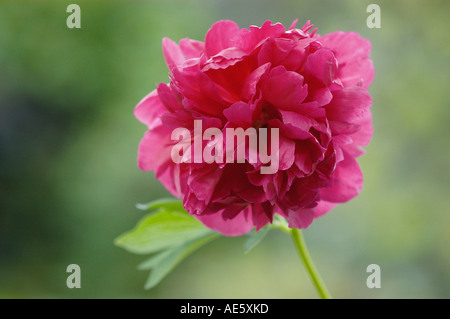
[169,233]
[161,230]
[166,203]
[163,263]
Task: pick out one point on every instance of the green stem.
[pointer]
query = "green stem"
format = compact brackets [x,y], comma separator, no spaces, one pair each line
[306,258]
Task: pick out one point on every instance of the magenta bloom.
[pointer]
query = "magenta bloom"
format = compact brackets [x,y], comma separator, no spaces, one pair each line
[312,88]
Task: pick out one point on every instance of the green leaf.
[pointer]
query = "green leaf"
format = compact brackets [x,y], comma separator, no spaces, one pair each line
[162,230]
[255,238]
[166,203]
[164,262]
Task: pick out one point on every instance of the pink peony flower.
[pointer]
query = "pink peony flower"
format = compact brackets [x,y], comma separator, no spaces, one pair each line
[312,88]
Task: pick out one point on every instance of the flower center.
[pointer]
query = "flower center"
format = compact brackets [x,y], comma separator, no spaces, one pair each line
[268,112]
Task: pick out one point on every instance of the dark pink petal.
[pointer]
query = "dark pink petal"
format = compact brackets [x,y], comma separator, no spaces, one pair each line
[321,65]
[307,155]
[191,48]
[173,177]
[284,89]
[363,136]
[301,121]
[154,149]
[349,104]
[230,80]
[360,137]
[300,195]
[150,109]
[290,130]
[297,56]
[172,53]
[322,96]
[240,114]
[256,178]
[282,183]
[241,224]
[224,59]
[252,194]
[220,61]
[222,35]
[178,119]
[231,176]
[347,181]
[338,128]
[294,23]
[254,36]
[154,154]
[199,91]
[270,189]
[203,181]
[286,152]
[262,214]
[353,54]
[251,83]
[311,109]
[301,218]
[168,98]
[275,50]
[322,208]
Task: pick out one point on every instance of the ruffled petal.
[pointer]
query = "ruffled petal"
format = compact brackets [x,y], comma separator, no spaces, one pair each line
[222,35]
[150,109]
[353,54]
[348,105]
[284,89]
[172,53]
[347,181]
[239,225]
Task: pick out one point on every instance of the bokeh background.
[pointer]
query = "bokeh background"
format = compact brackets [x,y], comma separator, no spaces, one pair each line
[68,140]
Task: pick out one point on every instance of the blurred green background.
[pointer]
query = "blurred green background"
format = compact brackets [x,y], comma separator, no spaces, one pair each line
[68,142]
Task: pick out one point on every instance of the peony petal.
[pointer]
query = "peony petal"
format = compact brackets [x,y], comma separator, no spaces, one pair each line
[290,130]
[150,109]
[300,195]
[300,121]
[240,114]
[252,81]
[168,98]
[286,152]
[284,89]
[241,224]
[172,53]
[321,65]
[353,54]
[191,48]
[322,208]
[222,35]
[224,59]
[199,91]
[301,218]
[203,181]
[349,104]
[307,154]
[347,181]
[154,154]
[262,214]
[274,51]
[254,36]
[363,136]
[154,148]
